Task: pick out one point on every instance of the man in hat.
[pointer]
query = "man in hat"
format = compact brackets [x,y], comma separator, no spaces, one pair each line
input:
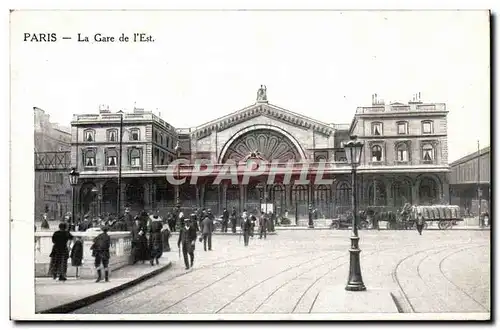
[225,220]
[100,251]
[187,238]
[420,222]
[207,227]
[233,218]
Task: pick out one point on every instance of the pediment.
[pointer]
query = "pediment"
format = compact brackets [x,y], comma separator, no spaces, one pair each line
[262,109]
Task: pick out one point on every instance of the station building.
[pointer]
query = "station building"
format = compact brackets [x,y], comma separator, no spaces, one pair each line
[405,159]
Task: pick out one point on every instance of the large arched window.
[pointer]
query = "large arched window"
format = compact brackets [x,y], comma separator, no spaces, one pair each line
[376,153]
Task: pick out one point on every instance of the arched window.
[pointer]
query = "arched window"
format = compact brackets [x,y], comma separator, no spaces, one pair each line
[377,128]
[402,154]
[89,158]
[376,153]
[89,135]
[135,157]
[427,127]
[111,157]
[428,152]
[134,134]
[112,135]
[342,197]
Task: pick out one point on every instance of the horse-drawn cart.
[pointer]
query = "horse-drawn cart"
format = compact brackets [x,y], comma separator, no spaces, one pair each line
[445,215]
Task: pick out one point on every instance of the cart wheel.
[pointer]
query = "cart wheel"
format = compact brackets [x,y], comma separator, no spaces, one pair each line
[389,225]
[442,225]
[335,225]
[363,225]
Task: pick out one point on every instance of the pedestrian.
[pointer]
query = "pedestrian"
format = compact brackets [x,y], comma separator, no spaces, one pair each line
[420,223]
[225,220]
[271,219]
[166,236]
[45,223]
[129,220]
[156,240]
[233,220]
[187,237]
[139,242]
[77,254]
[100,251]
[263,223]
[207,227]
[60,252]
[246,227]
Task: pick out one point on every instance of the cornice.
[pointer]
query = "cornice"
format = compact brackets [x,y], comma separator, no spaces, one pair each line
[262,109]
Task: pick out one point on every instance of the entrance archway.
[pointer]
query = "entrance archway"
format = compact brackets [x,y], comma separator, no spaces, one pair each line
[109,197]
[134,195]
[88,199]
[401,192]
[428,191]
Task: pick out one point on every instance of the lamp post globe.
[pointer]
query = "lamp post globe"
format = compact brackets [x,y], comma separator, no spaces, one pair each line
[353,150]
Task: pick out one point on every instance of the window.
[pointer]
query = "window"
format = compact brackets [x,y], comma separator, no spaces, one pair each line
[167,142]
[89,158]
[135,157]
[112,135]
[89,136]
[402,152]
[161,139]
[134,134]
[427,152]
[376,128]
[376,153]
[402,127]
[427,127]
[111,157]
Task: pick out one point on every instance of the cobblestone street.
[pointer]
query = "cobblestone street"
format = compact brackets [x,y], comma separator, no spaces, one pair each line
[438,272]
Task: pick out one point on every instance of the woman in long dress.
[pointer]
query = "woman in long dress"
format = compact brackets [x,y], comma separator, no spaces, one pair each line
[60,252]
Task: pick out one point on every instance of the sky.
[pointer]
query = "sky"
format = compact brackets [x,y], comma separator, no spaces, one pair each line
[204,65]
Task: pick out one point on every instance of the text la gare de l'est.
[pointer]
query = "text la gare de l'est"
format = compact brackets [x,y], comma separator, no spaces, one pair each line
[99,37]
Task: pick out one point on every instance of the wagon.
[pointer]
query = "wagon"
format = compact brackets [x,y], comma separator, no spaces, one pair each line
[445,215]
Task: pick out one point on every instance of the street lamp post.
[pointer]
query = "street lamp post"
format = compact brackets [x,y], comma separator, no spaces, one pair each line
[178,150]
[353,150]
[73,180]
[120,151]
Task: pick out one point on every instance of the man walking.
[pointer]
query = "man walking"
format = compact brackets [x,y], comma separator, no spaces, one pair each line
[206,229]
[100,251]
[246,226]
[233,219]
[225,220]
[187,237]
[263,223]
[420,223]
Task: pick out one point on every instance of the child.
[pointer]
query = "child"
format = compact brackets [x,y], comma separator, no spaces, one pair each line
[77,254]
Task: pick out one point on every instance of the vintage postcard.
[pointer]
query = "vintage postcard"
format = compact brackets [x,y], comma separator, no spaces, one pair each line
[250,165]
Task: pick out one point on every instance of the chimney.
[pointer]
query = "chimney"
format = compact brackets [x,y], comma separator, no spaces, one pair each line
[104,108]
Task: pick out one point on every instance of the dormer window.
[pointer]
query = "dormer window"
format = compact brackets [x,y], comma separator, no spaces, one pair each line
[112,135]
[89,135]
[402,127]
[377,128]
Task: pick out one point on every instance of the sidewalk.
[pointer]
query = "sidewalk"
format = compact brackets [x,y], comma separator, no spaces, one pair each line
[52,296]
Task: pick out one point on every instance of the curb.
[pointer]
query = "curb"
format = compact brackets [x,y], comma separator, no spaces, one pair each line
[229,234]
[74,305]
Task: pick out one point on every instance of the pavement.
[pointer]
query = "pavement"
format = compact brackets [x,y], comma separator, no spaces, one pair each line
[297,272]
[53,296]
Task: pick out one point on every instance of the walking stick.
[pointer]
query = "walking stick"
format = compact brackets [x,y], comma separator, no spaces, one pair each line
[179,253]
